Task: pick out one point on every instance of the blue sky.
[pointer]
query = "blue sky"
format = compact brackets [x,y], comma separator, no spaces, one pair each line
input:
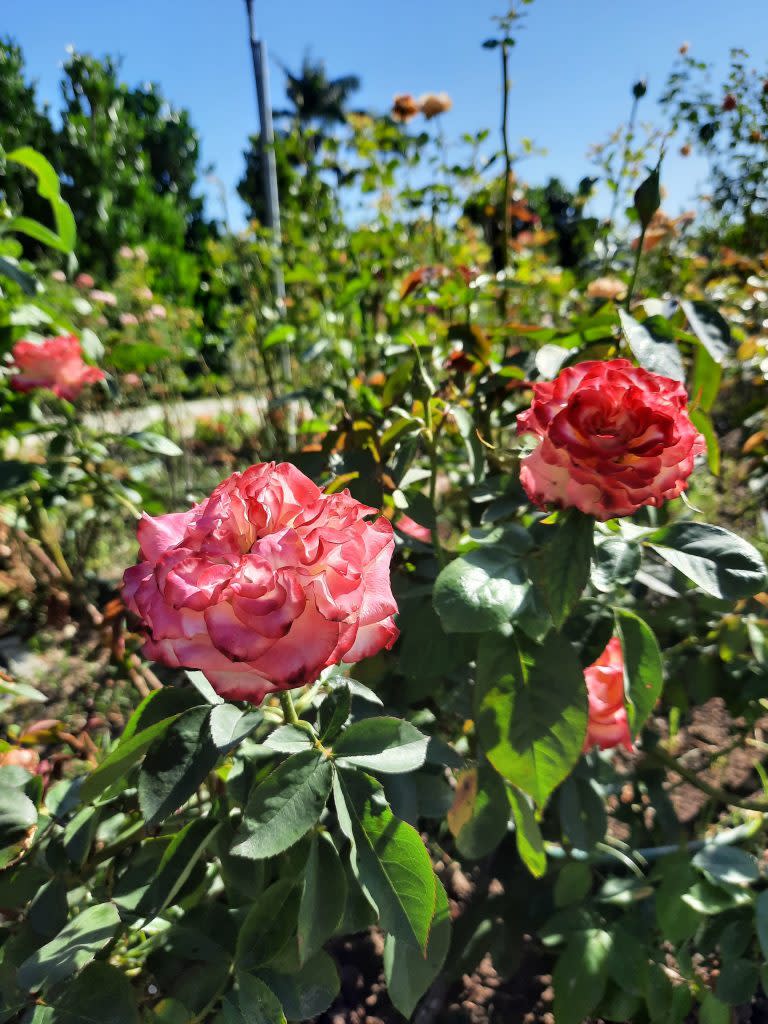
[572,69]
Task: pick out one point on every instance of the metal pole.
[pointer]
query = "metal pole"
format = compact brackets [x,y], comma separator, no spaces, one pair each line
[269,169]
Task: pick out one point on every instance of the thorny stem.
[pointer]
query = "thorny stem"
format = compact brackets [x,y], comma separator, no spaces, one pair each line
[663,757]
[622,171]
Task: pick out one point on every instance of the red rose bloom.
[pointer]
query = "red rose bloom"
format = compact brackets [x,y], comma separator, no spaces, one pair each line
[55,364]
[608,726]
[265,583]
[614,437]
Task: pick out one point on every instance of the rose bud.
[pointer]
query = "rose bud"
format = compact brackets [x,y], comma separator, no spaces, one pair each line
[55,364]
[613,437]
[729,102]
[607,726]
[265,583]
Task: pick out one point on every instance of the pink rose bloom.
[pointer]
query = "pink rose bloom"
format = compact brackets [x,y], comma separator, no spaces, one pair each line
[84,281]
[265,583]
[614,437]
[125,252]
[145,294]
[128,319]
[157,312]
[131,380]
[608,726]
[55,364]
[58,275]
[107,298]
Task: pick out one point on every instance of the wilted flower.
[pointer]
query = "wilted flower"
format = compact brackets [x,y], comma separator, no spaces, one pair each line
[404,107]
[729,101]
[106,298]
[265,583]
[684,48]
[128,319]
[84,281]
[434,103]
[608,725]
[606,288]
[54,364]
[685,149]
[613,437]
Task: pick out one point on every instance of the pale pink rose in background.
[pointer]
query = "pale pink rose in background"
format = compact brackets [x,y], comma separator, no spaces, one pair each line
[125,252]
[128,319]
[265,583]
[58,275]
[613,437]
[131,380]
[141,254]
[434,103]
[608,725]
[145,294]
[84,281]
[55,364]
[157,312]
[106,298]
[606,288]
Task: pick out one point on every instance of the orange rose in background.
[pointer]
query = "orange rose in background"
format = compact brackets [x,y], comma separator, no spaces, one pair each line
[55,364]
[404,107]
[613,437]
[608,726]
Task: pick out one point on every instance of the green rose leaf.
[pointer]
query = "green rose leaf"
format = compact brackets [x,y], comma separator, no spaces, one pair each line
[323,898]
[408,977]
[530,844]
[285,806]
[308,991]
[75,945]
[479,816]
[388,857]
[531,717]
[175,765]
[268,926]
[723,565]
[229,726]
[100,993]
[482,590]
[560,568]
[580,975]
[253,1003]
[382,745]
[643,667]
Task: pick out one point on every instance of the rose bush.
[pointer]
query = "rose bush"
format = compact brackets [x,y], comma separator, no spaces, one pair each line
[613,437]
[607,725]
[55,364]
[265,584]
